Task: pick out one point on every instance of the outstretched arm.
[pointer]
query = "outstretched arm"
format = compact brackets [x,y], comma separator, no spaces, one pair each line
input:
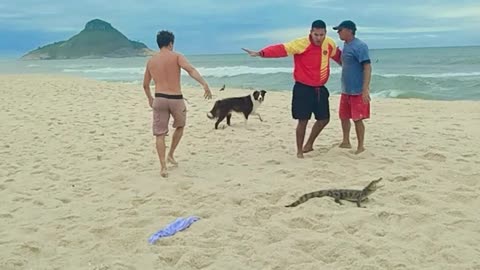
[192,72]
[296,46]
[252,53]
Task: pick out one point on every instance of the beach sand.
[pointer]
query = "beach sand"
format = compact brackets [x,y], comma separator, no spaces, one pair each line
[80,184]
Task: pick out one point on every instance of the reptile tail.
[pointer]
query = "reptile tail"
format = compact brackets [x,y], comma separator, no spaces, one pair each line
[307,197]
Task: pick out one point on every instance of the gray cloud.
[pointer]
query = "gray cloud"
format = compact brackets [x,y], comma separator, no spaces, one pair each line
[221,25]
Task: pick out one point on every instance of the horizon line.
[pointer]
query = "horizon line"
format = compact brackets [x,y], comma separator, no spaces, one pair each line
[19,54]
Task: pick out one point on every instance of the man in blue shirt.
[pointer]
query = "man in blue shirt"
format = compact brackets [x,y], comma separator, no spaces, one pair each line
[356,73]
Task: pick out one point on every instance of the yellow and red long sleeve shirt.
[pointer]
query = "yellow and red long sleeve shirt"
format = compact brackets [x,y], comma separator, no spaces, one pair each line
[311,62]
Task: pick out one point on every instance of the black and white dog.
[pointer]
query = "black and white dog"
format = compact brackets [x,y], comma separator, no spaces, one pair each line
[247,105]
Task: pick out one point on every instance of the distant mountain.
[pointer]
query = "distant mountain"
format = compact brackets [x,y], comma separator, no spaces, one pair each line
[98,40]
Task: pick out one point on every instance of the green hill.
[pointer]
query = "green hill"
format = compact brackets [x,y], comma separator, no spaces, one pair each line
[98,40]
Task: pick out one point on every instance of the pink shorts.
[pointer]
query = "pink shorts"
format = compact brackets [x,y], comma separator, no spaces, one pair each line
[353,107]
[165,106]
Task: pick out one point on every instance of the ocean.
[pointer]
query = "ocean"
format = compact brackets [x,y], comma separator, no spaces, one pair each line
[426,73]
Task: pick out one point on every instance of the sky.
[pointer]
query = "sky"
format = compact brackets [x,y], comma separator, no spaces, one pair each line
[225,26]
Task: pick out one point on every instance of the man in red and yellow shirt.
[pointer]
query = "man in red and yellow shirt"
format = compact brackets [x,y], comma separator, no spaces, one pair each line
[311,56]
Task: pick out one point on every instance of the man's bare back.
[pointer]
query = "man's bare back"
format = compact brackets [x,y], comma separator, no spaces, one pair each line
[164,68]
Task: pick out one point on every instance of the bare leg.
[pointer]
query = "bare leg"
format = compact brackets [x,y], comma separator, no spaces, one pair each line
[346,134]
[161,155]
[300,132]
[177,135]
[360,129]
[316,129]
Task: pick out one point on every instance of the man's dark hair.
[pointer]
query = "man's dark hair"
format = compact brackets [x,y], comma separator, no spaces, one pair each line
[164,38]
[319,24]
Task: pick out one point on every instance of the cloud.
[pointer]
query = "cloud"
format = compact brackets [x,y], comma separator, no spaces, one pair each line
[392,30]
[221,25]
[320,4]
[448,11]
[286,34]
[277,35]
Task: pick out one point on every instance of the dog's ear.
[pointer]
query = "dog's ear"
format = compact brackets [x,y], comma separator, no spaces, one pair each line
[256,94]
[263,92]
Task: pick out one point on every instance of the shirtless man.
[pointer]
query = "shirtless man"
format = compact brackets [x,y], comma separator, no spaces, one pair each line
[164,69]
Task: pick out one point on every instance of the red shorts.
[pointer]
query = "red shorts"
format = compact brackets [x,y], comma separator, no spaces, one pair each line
[353,107]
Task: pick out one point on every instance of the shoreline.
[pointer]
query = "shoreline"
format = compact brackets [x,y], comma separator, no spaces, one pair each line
[375,96]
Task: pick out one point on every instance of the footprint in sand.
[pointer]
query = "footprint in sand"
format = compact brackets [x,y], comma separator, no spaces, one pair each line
[134,223]
[435,157]
[4,216]
[31,247]
[101,231]
[402,178]
[263,213]
[139,202]
[412,199]
[170,257]
[64,200]
[301,223]
[272,162]
[274,198]
[386,161]
[389,216]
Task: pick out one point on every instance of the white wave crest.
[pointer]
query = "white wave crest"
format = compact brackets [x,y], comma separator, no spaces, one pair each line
[433,75]
[219,72]
[108,70]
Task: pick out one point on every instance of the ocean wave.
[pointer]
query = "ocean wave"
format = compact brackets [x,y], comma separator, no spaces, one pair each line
[402,94]
[218,72]
[108,70]
[221,72]
[231,71]
[432,75]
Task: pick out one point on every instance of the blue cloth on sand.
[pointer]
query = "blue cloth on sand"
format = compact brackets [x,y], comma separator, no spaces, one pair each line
[179,224]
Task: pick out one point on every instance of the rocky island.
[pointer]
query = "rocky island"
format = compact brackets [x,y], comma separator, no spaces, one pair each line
[99,39]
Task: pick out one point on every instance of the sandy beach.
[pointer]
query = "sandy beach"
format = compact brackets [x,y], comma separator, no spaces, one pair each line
[80,184]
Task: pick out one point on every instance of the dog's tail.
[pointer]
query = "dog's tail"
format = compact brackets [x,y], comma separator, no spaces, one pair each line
[212,114]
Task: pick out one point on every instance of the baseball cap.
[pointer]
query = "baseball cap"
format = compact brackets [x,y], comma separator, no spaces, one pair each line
[346,24]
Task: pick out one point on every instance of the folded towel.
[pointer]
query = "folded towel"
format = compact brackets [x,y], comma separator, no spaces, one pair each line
[179,224]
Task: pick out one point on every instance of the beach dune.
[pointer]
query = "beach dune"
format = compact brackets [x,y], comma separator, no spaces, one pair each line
[80,184]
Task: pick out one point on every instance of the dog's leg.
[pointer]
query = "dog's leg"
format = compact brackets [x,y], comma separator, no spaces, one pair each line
[246,118]
[220,119]
[259,117]
[229,116]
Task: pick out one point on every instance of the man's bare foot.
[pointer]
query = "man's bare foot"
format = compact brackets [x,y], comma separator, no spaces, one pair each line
[307,149]
[345,145]
[299,155]
[163,172]
[359,150]
[171,160]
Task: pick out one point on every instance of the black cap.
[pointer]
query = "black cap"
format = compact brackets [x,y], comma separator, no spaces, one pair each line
[346,24]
